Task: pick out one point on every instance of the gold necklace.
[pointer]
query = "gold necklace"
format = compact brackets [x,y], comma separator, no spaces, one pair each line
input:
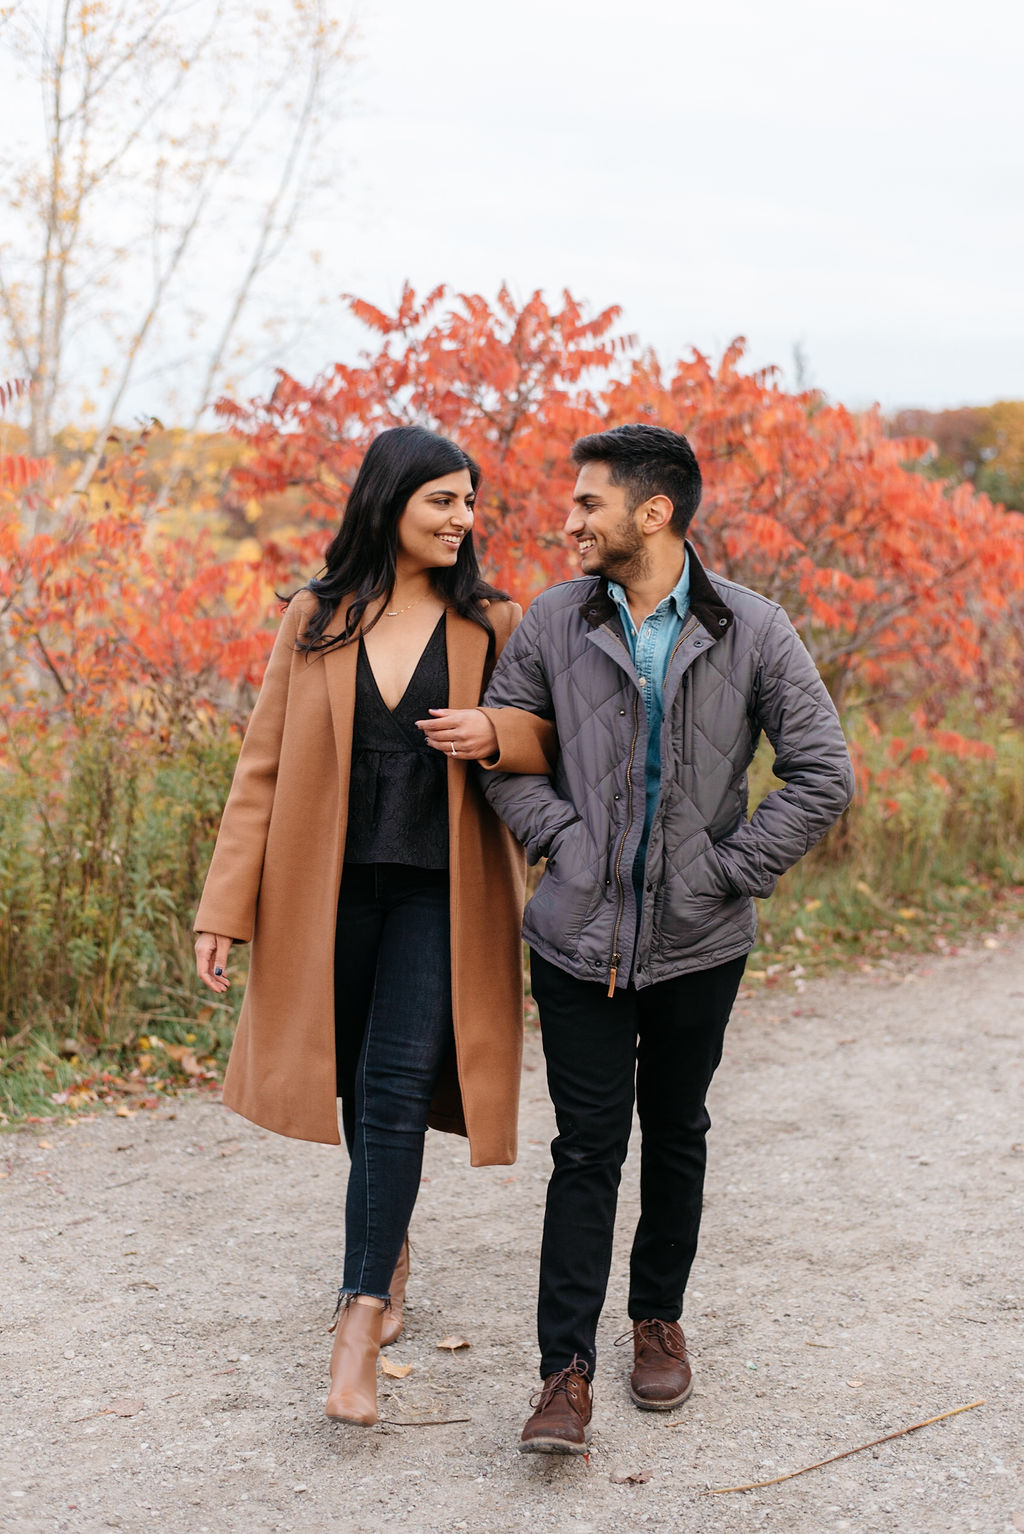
[399,610]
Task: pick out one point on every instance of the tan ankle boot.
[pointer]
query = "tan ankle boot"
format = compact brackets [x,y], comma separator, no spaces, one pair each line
[391,1329]
[353,1392]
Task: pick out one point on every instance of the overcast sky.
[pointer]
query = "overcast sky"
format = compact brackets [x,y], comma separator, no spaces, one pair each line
[846,177]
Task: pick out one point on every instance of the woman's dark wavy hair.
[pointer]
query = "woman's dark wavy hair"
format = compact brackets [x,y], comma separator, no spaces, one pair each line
[360,559]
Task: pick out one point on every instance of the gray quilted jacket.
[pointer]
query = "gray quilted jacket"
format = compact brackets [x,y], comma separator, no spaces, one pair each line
[738,668]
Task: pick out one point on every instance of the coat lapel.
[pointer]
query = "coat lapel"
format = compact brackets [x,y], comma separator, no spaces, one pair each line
[466,646]
[340,673]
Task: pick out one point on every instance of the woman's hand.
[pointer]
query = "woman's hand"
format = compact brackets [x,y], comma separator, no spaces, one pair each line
[211,960]
[468,730]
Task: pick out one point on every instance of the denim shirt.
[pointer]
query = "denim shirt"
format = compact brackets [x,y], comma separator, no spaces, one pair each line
[651,649]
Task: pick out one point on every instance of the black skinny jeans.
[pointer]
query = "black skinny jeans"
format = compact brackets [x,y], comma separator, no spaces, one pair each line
[393,1031]
[667,1039]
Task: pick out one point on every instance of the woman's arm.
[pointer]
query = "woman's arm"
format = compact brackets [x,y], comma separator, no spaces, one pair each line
[507,738]
[228,904]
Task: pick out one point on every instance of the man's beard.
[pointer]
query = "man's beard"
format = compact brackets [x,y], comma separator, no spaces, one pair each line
[625,557]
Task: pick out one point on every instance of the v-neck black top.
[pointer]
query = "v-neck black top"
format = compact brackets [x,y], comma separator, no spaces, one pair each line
[398,787]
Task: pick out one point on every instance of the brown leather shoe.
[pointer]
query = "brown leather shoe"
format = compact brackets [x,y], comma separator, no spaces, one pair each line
[661,1377]
[561,1423]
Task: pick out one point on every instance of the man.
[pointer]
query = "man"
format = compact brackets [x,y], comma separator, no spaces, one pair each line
[660,678]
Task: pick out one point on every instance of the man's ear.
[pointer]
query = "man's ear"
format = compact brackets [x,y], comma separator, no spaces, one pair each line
[655,514]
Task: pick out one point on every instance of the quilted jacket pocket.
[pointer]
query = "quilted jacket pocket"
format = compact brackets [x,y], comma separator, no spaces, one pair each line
[569,888]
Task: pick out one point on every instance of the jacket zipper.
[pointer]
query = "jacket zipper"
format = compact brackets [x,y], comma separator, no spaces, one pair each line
[613,972]
[616,956]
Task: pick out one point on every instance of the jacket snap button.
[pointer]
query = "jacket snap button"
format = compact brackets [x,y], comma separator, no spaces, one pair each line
[722,622]
[622,710]
[618,796]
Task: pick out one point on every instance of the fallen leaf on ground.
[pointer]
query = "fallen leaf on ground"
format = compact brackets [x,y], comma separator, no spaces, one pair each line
[452,1343]
[394,1371]
[45,1145]
[855,1384]
[634,1478]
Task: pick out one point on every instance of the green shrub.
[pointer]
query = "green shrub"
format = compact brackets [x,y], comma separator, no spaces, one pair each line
[100,872]
[934,841]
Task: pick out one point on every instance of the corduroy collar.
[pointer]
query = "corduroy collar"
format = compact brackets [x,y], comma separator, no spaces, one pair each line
[705,603]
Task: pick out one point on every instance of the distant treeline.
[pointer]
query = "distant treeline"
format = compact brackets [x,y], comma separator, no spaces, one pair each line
[979,444]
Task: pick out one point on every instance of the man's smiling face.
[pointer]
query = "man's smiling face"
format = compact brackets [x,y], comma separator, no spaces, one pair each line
[605,531]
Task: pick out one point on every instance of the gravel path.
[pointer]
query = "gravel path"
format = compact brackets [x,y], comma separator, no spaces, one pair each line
[860,1270]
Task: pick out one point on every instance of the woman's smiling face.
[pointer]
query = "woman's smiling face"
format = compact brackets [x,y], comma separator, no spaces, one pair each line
[436,518]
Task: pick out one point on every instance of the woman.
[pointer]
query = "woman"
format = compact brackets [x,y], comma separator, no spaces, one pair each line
[381,895]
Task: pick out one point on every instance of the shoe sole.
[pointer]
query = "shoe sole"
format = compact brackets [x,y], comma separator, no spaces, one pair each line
[646,1405]
[554,1446]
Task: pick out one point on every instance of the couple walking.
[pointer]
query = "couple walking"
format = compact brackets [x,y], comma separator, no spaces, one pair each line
[378,872]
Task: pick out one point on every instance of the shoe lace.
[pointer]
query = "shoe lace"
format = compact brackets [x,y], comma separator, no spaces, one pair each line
[665,1335]
[559,1382]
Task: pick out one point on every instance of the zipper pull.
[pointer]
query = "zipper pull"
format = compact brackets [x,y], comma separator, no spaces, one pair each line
[616,961]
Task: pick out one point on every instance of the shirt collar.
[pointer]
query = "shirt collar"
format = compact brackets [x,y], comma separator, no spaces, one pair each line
[679,595]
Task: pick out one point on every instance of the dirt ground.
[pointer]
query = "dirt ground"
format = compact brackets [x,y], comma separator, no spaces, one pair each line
[167,1280]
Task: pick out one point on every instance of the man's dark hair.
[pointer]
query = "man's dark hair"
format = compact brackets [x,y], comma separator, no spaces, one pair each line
[647,461]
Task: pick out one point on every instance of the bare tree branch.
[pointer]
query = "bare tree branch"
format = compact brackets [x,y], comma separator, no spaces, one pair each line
[131,149]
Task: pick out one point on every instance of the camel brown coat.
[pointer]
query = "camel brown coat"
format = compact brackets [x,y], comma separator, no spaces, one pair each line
[276,872]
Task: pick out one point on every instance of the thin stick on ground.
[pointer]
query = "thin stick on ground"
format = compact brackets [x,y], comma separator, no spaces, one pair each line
[717,1491]
[421,1421]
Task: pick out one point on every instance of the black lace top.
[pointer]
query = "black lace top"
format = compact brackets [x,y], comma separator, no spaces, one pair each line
[398,788]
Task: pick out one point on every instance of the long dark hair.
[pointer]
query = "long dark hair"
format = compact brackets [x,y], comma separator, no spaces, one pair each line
[361,558]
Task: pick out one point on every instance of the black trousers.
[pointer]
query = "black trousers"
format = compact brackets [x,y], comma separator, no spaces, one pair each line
[665,1041]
